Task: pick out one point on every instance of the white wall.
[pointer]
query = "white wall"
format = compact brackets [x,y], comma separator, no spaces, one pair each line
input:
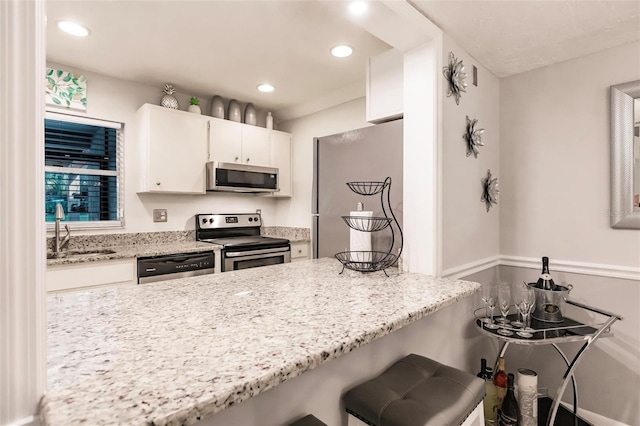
[116,99]
[555,161]
[470,233]
[348,116]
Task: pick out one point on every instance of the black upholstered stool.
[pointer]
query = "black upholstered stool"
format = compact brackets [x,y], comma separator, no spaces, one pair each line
[417,391]
[308,420]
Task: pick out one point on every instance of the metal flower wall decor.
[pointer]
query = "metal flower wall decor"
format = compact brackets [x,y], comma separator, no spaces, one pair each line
[473,136]
[489,190]
[455,75]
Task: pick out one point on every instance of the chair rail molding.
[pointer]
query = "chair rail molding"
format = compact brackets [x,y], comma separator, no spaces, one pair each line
[573,267]
[583,268]
[22,227]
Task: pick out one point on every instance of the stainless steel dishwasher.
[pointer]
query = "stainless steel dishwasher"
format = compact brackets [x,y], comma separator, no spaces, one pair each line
[168,267]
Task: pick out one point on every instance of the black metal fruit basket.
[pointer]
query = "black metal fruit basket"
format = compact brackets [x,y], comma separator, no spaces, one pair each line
[366,261]
[366,224]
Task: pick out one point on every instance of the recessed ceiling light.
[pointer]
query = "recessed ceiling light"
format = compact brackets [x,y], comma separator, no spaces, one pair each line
[73,28]
[266,87]
[341,51]
[358,7]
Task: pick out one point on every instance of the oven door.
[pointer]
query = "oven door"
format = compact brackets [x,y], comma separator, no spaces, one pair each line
[236,260]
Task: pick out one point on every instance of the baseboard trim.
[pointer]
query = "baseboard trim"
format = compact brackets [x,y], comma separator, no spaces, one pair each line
[583,268]
[471,268]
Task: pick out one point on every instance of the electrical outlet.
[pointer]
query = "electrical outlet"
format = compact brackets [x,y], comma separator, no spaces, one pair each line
[159,215]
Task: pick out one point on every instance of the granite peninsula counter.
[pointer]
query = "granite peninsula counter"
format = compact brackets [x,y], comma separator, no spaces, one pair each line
[177,351]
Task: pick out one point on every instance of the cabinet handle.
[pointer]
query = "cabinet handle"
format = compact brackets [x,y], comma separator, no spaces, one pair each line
[299,251]
[158,183]
[248,159]
[237,158]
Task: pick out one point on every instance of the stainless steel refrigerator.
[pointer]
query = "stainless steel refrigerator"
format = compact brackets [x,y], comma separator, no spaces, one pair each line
[368,154]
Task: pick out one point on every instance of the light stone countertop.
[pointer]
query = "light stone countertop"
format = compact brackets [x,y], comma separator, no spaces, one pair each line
[172,352]
[134,251]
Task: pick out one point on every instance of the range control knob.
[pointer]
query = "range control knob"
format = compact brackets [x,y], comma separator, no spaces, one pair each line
[204,220]
[255,219]
[211,220]
[250,219]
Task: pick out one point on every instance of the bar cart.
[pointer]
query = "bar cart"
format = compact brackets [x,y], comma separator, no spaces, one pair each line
[546,333]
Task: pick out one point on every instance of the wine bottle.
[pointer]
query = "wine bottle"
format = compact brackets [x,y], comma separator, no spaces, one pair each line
[509,413]
[545,281]
[500,381]
[486,374]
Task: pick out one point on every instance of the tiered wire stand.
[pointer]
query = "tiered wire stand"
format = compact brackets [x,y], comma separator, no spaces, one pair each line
[372,261]
[545,333]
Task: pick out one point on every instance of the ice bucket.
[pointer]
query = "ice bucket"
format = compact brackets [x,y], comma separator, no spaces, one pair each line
[550,304]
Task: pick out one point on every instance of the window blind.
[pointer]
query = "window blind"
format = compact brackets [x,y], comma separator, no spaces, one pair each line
[83,162]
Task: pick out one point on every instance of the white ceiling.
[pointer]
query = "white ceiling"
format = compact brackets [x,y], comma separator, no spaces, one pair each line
[510,37]
[226,48]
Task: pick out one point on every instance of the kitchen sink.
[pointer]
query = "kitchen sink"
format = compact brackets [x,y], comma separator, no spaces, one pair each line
[79,253]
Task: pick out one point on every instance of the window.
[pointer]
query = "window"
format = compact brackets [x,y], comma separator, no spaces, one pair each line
[83,170]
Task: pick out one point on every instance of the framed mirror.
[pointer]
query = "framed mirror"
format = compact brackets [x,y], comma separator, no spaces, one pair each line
[625,155]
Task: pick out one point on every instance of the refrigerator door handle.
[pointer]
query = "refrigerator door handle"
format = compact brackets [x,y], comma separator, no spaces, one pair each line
[315,219]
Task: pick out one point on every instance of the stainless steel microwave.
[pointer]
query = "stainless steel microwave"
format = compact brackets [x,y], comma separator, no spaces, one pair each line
[241,177]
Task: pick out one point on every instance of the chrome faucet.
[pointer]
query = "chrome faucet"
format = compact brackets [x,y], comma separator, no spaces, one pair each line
[57,244]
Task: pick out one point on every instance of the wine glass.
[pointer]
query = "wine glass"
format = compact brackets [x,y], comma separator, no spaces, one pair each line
[518,295]
[489,296]
[527,305]
[504,302]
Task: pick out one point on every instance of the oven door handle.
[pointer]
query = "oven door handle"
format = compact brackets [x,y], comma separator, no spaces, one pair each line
[253,252]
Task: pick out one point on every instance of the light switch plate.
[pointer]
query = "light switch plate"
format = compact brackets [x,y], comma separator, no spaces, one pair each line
[159,215]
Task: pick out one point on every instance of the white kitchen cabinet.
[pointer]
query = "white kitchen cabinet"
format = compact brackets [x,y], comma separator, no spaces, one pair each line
[233,142]
[299,251]
[385,97]
[91,274]
[173,149]
[280,157]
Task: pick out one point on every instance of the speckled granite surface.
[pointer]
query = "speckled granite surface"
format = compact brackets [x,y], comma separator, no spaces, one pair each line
[294,234]
[173,352]
[83,242]
[136,250]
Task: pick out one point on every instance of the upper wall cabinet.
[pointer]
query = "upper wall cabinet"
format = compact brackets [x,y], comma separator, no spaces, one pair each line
[385,95]
[280,157]
[233,142]
[173,148]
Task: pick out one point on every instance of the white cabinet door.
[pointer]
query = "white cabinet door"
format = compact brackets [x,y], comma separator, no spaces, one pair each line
[174,150]
[280,157]
[299,251]
[91,274]
[255,146]
[225,139]
[385,86]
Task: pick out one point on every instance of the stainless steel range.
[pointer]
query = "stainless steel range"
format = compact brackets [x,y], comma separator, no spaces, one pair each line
[242,246]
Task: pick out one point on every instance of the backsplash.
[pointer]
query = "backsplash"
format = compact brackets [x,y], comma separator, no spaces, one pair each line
[82,242]
[293,234]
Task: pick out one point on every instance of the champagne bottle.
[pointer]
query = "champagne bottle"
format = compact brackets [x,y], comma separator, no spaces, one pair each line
[509,413]
[545,282]
[500,381]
